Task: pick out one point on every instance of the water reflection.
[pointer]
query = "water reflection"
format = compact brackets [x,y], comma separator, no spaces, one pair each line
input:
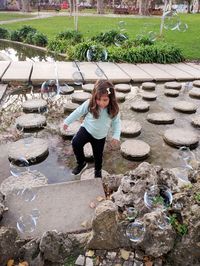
[17,52]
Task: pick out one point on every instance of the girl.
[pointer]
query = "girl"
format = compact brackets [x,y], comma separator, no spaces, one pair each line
[101,112]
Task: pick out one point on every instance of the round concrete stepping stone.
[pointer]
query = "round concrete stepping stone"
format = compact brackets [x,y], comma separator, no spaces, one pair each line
[149,86]
[80,97]
[160,118]
[34,105]
[149,96]
[196,121]
[173,85]
[140,106]
[171,93]
[72,129]
[29,121]
[88,87]
[130,128]
[24,180]
[89,174]
[195,93]
[120,96]
[196,83]
[123,87]
[70,107]
[135,149]
[88,151]
[185,107]
[31,149]
[66,89]
[178,137]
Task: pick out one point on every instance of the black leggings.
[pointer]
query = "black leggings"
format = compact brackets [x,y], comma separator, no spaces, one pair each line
[80,139]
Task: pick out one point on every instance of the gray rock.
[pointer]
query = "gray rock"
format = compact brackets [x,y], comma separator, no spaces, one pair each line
[112,182]
[34,105]
[80,97]
[196,121]
[89,262]
[80,260]
[160,118]
[135,149]
[88,87]
[55,247]
[30,251]
[173,85]
[69,106]
[65,89]
[71,130]
[196,83]
[88,151]
[149,96]
[195,93]
[120,96]
[171,93]
[185,107]
[130,128]
[30,121]
[148,86]
[140,106]
[178,137]
[122,87]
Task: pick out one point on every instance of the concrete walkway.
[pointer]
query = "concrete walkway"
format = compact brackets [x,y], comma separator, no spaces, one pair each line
[37,72]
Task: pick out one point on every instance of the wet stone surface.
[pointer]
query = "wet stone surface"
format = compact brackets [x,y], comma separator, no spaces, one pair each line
[135,149]
[34,105]
[160,118]
[149,96]
[171,93]
[140,106]
[130,128]
[173,85]
[66,89]
[185,107]
[120,96]
[69,106]
[196,83]
[80,97]
[148,86]
[72,129]
[196,121]
[123,87]
[28,121]
[195,92]
[88,87]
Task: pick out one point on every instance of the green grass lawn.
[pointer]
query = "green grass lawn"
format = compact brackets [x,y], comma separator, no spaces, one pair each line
[10,16]
[188,41]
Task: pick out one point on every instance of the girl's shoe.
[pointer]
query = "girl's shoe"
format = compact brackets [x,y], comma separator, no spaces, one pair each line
[79,168]
[97,174]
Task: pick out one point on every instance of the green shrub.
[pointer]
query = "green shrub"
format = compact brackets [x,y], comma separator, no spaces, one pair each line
[39,39]
[25,30]
[143,40]
[4,33]
[15,36]
[109,37]
[72,36]
[58,46]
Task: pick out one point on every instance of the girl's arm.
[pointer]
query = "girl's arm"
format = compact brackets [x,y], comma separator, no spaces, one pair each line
[76,114]
[116,127]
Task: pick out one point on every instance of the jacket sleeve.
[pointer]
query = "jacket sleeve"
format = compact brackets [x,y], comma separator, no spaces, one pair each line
[116,127]
[76,114]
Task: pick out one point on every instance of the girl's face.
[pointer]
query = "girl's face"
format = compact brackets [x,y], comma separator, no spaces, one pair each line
[103,101]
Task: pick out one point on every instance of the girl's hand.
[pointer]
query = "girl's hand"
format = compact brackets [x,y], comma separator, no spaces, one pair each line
[65,127]
[115,144]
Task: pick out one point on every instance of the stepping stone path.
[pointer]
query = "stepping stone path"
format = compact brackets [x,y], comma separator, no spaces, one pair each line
[149,96]
[34,105]
[160,118]
[24,180]
[135,149]
[88,87]
[70,107]
[171,93]
[195,93]
[80,97]
[148,86]
[196,121]
[71,130]
[173,85]
[185,107]
[89,174]
[123,87]
[196,83]
[140,106]
[178,137]
[66,89]
[29,121]
[120,96]
[88,150]
[130,128]
[31,149]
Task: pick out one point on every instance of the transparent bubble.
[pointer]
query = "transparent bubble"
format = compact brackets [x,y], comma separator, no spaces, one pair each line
[131,213]
[28,195]
[77,78]
[19,166]
[182,174]
[35,213]
[182,27]
[185,154]
[152,36]
[26,224]
[171,20]
[119,39]
[95,53]
[158,197]
[99,72]
[135,231]
[162,221]
[122,25]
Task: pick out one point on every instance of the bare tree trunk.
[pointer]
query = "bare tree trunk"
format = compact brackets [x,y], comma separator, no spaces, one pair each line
[198,9]
[26,6]
[100,7]
[143,7]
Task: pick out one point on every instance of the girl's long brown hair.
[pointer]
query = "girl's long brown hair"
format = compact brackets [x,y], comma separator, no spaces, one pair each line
[100,89]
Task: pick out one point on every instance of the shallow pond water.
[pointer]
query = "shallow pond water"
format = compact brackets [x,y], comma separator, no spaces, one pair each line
[57,166]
